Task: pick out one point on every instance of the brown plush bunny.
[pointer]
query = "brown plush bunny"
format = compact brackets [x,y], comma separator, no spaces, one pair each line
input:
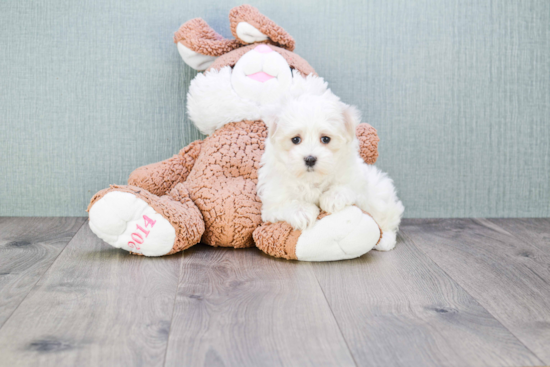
[207,192]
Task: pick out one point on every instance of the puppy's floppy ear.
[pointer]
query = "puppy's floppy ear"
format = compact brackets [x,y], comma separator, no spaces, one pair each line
[272,123]
[352,118]
[270,116]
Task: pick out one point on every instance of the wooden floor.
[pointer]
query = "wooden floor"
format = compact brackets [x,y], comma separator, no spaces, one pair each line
[454,292]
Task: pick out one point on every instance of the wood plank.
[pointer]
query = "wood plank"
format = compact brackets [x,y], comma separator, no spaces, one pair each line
[535,231]
[400,309]
[96,306]
[508,274]
[28,247]
[244,308]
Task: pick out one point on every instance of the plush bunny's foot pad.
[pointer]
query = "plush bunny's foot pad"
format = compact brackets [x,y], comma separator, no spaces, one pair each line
[347,234]
[128,222]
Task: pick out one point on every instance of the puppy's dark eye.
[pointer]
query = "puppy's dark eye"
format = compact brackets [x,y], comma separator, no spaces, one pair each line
[325,140]
[296,140]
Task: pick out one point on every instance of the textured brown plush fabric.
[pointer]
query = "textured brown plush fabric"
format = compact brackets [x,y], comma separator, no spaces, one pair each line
[208,191]
[249,14]
[294,61]
[280,239]
[223,183]
[197,35]
[159,178]
[277,239]
[176,207]
[212,192]
[211,188]
[368,142]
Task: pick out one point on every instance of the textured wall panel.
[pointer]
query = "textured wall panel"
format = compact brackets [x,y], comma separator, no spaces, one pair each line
[458,90]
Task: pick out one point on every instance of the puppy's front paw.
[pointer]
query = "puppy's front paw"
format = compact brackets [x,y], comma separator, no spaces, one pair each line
[337,199]
[303,216]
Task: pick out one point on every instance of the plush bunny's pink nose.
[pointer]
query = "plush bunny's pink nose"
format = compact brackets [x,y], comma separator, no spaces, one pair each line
[264,49]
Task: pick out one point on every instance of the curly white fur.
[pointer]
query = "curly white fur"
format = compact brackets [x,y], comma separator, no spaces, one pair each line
[212,102]
[292,191]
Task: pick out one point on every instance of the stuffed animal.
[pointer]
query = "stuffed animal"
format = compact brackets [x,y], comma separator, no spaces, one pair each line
[207,192]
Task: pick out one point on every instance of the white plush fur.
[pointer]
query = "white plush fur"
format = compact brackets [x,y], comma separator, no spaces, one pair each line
[115,217]
[249,33]
[194,59]
[293,192]
[344,235]
[270,63]
[213,102]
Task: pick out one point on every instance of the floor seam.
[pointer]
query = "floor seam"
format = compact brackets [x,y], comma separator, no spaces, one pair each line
[44,273]
[174,307]
[402,232]
[333,316]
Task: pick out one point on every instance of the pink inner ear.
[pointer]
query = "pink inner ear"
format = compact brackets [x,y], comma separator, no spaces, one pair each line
[261,76]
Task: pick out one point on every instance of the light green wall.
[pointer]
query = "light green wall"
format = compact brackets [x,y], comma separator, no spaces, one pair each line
[458,90]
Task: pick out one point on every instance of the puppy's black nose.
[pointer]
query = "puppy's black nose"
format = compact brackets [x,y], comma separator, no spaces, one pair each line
[310,160]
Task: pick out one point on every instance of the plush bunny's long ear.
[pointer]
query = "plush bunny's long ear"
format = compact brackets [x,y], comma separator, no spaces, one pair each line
[194,59]
[199,45]
[249,34]
[248,25]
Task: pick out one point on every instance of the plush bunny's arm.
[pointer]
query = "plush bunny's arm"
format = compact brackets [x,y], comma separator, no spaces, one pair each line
[159,178]
[368,142]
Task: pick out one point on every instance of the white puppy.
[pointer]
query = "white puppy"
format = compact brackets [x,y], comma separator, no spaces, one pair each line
[312,161]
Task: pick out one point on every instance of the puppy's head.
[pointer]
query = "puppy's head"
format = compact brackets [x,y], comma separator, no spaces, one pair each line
[313,135]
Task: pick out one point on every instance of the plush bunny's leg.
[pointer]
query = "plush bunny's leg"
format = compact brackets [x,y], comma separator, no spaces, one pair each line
[277,239]
[135,220]
[347,234]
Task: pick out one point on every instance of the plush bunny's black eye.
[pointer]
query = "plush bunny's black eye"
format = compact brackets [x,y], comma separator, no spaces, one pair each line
[296,140]
[325,140]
